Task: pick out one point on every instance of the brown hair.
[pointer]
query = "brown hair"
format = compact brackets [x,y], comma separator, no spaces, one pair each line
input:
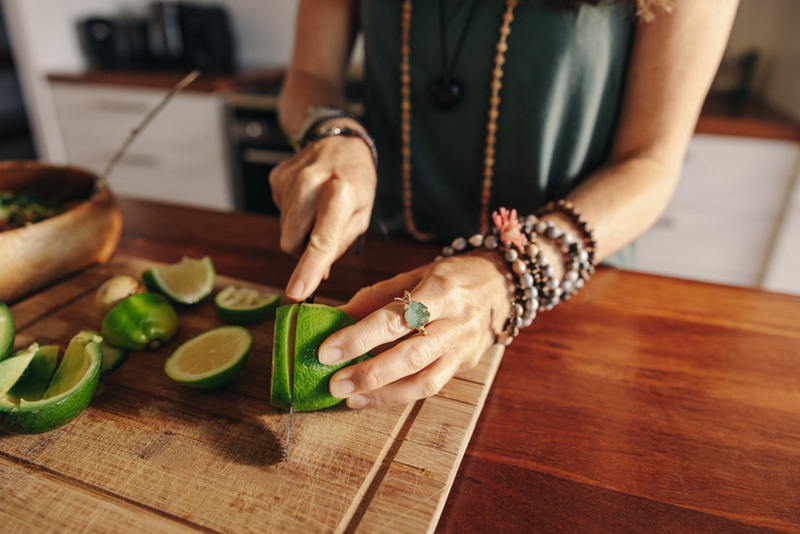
[644,8]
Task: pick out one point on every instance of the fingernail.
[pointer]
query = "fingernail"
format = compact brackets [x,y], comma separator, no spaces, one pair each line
[358,401]
[330,355]
[342,388]
[295,291]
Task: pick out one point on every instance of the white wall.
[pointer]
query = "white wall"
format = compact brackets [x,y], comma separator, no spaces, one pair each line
[45,40]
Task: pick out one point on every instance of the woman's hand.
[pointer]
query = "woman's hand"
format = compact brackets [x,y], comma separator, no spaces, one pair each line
[327,189]
[469,299]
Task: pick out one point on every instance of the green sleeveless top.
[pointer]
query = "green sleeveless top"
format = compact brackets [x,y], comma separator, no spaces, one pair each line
[562,87]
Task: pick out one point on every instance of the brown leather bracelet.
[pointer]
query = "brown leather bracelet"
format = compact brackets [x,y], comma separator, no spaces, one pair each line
[332,131]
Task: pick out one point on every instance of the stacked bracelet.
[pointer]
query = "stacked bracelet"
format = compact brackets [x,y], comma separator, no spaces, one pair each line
[535,287]
[316,116]
[316,135]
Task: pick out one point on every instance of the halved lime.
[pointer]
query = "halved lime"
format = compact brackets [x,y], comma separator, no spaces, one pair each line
[68,394]
[245,305]
[34,381]
[297,374]
[113,357]
[7,330]
[12,368]
[186,282]
[212,359]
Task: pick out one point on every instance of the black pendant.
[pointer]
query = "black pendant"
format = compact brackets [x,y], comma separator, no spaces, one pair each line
[446,92]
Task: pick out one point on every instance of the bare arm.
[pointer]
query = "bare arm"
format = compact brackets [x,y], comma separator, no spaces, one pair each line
[324,39]
[674,60]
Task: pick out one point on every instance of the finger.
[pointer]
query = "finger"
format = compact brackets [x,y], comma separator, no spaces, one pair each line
[301,210]
[384,325]
[370,298]
[325,242]
[407,358]
[421,385]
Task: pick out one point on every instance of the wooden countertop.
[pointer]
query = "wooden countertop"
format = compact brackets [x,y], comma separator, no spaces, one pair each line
[645,404]
[208,82]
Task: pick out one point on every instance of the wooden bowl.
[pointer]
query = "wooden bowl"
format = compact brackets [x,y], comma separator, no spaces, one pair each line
[41,253]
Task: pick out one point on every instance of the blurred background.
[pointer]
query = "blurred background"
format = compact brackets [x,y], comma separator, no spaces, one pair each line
[77,75]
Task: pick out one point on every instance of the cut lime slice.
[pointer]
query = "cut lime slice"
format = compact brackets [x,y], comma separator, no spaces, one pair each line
[212,359]
[34,381]
[245,305]
[113,357]
[6,331]
[68,394]
[186,282]
[297,374]
[12,368]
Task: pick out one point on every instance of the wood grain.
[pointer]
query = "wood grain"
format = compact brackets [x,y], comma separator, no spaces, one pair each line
[150,451]
[645,404]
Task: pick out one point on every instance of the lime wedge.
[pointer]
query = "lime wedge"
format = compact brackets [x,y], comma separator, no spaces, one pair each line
[212,359]
[186,282]
[245,305]
[113,357]
[34,381]
[12,369]
[297,374]
[6,331]
[68,394]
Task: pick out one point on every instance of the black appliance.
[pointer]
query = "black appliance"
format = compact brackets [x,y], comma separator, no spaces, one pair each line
[257,145]
[191,35]
[169,34]
[112,43]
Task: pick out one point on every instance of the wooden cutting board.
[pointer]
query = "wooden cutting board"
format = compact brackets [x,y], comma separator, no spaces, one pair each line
[151,455]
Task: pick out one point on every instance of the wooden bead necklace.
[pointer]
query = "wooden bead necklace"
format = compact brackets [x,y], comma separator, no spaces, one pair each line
[491,128]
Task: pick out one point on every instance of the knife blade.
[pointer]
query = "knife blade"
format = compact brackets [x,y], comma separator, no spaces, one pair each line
[289,431]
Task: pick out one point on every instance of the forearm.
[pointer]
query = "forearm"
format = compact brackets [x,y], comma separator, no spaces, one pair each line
[323,43]
[672,64]
[621,201]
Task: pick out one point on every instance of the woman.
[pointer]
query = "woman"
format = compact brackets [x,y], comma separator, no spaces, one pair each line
[473,105]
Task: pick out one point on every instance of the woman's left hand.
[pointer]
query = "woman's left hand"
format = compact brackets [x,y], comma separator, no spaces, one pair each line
[468,297]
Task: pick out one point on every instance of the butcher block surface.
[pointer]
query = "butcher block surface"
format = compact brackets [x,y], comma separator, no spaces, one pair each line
[152,455]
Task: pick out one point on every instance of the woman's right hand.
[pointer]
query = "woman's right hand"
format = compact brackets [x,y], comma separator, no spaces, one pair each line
[325,192]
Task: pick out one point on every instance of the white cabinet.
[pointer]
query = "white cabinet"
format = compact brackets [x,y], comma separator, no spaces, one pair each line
[783,271]
[180,157]
[726,212]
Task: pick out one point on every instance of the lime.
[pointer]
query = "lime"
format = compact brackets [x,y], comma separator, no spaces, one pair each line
[6,331]
[282,364]
[245,305]
[34,381]
[112,359]
[212,359]
[297,373]
[12,368]
[68,394]
[186,282]
[140,322]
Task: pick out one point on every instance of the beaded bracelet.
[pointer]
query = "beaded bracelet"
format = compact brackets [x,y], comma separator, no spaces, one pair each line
[535,287]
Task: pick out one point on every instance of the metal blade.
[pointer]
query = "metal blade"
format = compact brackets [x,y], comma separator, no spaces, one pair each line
[289,432]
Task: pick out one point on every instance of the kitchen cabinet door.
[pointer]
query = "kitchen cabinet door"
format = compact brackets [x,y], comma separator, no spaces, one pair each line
[725,213]
[180,157]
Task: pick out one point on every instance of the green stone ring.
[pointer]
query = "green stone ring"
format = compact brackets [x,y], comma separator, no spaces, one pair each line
[415,313]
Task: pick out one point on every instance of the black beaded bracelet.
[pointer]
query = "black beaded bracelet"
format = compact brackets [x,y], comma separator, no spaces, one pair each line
[535,287]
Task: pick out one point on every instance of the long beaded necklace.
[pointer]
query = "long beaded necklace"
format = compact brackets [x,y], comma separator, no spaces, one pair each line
[491,128]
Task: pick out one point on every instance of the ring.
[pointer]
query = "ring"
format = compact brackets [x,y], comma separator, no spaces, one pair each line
[415,313]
